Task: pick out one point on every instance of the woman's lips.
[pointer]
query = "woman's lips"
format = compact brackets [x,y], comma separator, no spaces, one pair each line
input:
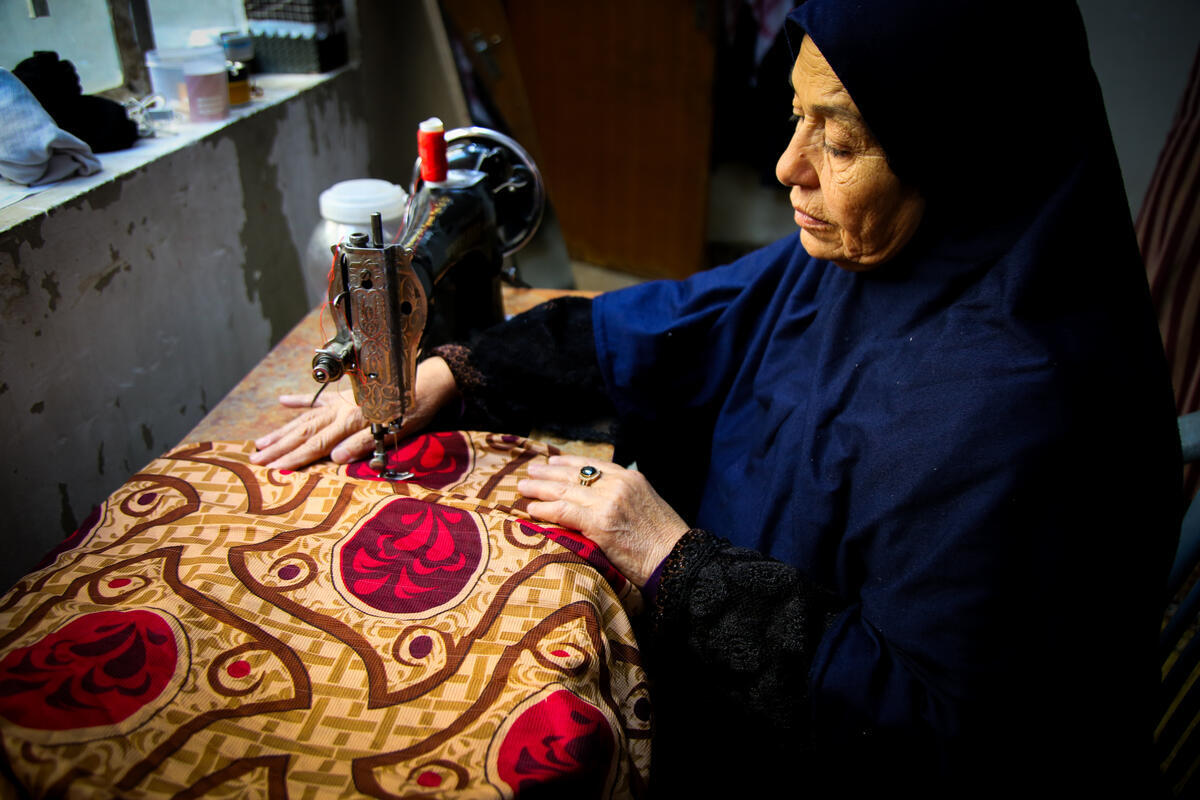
[807,221]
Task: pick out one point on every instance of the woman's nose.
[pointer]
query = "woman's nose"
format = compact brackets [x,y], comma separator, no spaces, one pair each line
[795,167]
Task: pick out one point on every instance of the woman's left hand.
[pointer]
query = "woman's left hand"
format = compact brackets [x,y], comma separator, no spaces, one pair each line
[619,511]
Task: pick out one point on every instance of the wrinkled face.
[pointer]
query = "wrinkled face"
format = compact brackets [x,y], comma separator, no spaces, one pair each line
[850,206]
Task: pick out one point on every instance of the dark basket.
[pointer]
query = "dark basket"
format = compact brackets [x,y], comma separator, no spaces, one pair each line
[320,12]
[321,53]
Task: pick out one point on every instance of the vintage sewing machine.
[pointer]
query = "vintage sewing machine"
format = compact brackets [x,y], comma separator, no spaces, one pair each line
[476,198]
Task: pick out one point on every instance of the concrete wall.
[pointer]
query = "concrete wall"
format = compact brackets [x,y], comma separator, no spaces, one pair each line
[125,315]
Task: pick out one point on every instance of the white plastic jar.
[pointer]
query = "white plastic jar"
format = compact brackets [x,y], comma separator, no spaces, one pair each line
[346,208]
[207,84]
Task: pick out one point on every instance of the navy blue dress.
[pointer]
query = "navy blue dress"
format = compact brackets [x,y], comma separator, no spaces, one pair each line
[942,495]
[972,447]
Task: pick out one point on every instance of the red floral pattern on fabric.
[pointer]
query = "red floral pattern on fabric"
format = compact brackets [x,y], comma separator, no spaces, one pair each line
[411,556]
[280,643]
[436,460]
[561,746]
[96,670]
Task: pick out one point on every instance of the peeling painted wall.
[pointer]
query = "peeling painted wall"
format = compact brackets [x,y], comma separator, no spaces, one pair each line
[129,313]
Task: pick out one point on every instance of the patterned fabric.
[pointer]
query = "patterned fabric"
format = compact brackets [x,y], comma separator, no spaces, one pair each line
[1168,229]
[224,630]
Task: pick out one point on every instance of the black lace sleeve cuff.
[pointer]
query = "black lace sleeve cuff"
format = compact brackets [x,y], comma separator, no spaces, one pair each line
[458,357]
[538,369]
[734,618]
[729,647]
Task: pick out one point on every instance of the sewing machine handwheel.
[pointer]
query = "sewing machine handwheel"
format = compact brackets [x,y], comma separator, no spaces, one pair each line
[515,182]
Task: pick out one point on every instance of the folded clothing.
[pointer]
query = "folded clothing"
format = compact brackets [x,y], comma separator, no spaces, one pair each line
[100,122]
[33,149]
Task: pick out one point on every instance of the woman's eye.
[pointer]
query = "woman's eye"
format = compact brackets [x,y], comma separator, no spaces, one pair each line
[835,151]
[796,119]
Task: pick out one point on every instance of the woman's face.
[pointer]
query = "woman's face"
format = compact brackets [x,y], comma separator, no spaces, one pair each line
[850,206]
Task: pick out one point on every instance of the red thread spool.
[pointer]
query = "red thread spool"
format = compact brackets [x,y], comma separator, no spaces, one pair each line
[431,147]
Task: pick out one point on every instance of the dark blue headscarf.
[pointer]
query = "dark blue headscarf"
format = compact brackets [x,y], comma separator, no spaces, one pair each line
[973,444]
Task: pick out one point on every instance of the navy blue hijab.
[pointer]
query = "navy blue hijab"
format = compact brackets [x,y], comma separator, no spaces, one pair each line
[973,445]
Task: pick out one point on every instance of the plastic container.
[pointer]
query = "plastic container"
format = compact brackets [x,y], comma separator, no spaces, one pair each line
[346,208]
[207,84]
[166,76]
[192,80]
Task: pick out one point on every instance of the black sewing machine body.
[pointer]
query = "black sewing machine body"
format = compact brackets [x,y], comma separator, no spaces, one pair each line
[438,282]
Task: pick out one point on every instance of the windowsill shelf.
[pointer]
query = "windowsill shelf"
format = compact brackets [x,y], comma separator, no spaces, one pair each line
[21,203]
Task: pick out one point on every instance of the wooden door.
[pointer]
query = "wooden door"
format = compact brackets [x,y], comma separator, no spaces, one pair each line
[619,96]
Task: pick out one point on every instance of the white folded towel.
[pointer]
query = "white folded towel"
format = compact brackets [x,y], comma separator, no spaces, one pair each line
[33,149]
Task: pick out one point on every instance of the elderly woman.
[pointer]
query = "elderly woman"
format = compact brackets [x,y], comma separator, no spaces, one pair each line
[908,481]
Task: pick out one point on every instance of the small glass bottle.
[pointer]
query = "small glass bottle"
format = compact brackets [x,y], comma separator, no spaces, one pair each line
[239,83]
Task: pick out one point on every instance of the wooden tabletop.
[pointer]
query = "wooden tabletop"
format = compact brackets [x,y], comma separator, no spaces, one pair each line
[252,407]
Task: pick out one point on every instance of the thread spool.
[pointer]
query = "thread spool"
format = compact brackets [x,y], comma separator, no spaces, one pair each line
[431,147]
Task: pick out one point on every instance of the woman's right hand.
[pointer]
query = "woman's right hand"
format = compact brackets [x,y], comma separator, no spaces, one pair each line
[335,425]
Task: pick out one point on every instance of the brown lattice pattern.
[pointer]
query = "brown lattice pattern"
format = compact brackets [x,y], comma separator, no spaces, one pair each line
[224,630]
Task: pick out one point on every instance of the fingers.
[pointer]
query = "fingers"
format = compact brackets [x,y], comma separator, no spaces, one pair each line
[558,496]
[335,426]
[566,468]
[334,421]
[287,401]
[557,513]
[540,489]
[543,471]
[557,479]
[304,439]
[280,438]
[302,455]
[264,442]
[620,511]
[353,447]
[302,445]
[298,400]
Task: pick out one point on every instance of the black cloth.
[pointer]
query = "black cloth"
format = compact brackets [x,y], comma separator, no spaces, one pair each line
[731,636]
[100,122]
[537,369]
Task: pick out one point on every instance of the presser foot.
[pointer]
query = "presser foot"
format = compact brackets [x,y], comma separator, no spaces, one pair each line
[378,460]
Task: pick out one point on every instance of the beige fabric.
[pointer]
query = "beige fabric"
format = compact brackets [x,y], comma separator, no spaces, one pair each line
[224,630]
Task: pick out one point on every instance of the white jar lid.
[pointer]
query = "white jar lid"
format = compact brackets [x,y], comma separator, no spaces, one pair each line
[182,56]
[353,202]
